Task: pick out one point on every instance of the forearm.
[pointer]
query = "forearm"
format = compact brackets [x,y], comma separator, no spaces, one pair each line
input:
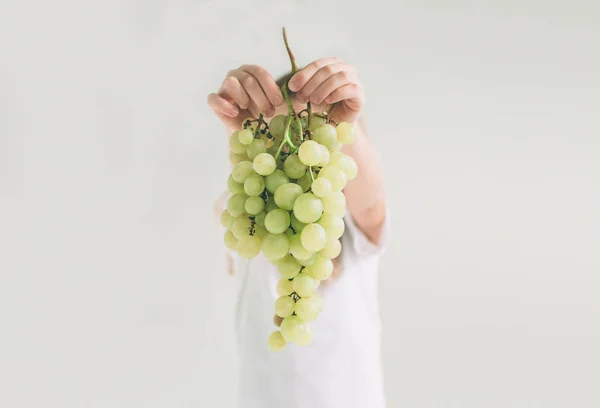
[365,194]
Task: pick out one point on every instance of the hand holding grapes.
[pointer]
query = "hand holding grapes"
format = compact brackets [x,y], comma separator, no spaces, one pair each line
[330,81]
[245,92]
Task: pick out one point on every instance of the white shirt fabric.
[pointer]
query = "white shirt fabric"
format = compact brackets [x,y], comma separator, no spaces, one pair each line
[342,366]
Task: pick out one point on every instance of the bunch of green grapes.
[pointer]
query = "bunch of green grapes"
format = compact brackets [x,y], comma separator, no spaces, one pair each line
[287,202]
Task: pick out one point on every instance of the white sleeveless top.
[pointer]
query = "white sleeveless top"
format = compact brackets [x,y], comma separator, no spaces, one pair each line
[342,366]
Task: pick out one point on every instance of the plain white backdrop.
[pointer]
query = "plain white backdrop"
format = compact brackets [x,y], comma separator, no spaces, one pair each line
[113,291]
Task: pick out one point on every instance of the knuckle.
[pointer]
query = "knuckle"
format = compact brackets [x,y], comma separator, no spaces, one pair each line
[343,75]
[259,70]
[329,69]
[248,81]
[230,82]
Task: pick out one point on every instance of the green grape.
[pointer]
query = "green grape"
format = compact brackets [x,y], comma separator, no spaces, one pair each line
[289,232]
[286,195]
[316,121]
[345,133]
[295,134]
[260,232]
[325,156]
[334,225]
[304,335]
[242,171]
[305,182]
[241,227]
[277,221]
[336,177]
[308,309]
[284,306]
[226,219]
[276,179]
[293,167]
[308,208]
[332,249]
[256,147]
[233,186]
[310,153]
[254,205]
[305,285]
[335,204]
[230,240]
[236,158]
[245,136]
[349,167]
[325,135]
[284,287]
[297,225]
[235,145]
[270,205]
[249,247]
[336,159]
[254,185]
[277,126]
[336,147]
[260,219]
[276,342]
[321,187]
[272,150]
[292,328]
[313,237]
[309,261]
[321,269]
[297,250]
[235,204]
[275,246]
[288,267]
[264,164]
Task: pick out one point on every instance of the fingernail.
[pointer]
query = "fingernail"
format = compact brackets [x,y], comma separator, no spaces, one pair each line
[300,96]
[292,85]
[234,111]
[279,100]
[315,99]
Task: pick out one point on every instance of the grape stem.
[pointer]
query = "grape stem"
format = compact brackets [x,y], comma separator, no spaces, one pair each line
[289,51]
[291,112]
[309,112]
[260,122]
[312,176]
[286,138]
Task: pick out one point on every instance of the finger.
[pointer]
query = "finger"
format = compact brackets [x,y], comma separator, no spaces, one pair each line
[332,83]
[254,90]
[320,77]
[266,82]
[351,94]
[220,105]
[254,110]
[231,88]
[301,77]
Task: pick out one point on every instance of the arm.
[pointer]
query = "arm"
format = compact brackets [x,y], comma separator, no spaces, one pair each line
[332,81]
[365,194]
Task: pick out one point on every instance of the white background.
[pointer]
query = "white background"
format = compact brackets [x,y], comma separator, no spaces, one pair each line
[112,285]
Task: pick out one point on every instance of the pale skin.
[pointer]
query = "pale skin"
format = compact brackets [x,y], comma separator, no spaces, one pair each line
[251,90]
